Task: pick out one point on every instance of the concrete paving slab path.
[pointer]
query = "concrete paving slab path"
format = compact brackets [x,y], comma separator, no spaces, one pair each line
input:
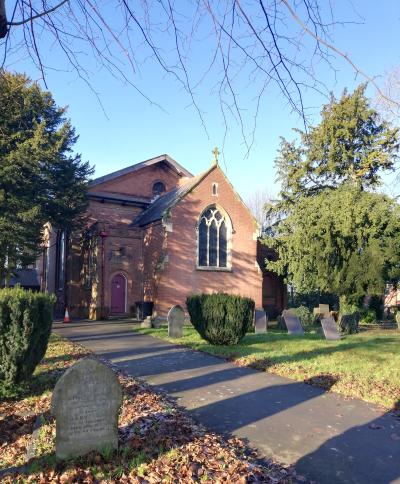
[330,439]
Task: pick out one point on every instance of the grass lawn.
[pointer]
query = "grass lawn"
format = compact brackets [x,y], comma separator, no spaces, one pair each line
[365,365]
[158,442]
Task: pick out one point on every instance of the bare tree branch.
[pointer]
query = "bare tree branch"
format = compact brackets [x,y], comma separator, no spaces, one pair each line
[238,51]
[34,17]
[337,51]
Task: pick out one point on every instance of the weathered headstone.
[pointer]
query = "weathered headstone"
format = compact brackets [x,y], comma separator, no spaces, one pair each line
[85,403]
[316,311]
[293,324]
[321,309]
[176,319]
[330,329]
[324,309]
[260,324]
[146,323]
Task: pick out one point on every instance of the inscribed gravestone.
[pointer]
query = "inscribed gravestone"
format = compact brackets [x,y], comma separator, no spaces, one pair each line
[85,403]
[260,325]
[293,324]
[330,329]
[176,319]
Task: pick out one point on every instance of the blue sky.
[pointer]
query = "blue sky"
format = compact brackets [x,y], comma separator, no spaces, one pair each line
[130,130]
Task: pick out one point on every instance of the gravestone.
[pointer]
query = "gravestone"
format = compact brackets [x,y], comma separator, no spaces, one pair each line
[85,403]
[146,323]
[324,309]
[321,309]
[292,322]
[260,324]
[176,319]
[330,329]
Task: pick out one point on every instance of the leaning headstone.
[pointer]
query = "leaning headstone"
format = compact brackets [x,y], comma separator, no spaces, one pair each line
[85,403]
[330,329]
[260,324]
[293,324]
[176,319]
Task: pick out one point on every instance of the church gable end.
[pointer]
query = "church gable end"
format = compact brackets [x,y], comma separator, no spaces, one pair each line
[145,180]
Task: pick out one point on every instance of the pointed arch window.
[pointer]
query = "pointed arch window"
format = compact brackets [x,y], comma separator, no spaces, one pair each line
[213,239]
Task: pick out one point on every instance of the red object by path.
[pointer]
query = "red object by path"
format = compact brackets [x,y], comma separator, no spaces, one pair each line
[66,316]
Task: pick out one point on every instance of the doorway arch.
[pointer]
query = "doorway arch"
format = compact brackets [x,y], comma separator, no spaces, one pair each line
[118,294]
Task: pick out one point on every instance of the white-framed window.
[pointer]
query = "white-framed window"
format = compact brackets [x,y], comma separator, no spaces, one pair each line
[214,233]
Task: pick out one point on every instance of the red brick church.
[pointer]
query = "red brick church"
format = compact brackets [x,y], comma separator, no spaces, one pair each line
[155,234]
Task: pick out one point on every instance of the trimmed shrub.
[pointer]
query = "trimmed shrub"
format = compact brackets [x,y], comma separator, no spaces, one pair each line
[25,326]
[221,319]
[376,304]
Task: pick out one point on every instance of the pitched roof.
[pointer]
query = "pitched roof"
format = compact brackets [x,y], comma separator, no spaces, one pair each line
[158,208]
[130,169]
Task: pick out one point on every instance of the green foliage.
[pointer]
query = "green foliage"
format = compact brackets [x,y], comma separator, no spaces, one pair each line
[25,327]
[351,144]
[312,300]
[333,234]
[306,317]
[367,316]
[344,241]
[41,180]
[376,304]
[221,319]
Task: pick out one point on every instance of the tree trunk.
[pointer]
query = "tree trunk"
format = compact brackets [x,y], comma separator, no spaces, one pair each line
[3,19]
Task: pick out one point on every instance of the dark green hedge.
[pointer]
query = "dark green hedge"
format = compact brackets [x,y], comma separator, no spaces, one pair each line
[25,326]
[221,319]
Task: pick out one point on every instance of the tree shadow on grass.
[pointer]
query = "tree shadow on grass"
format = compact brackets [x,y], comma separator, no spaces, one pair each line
[247,349]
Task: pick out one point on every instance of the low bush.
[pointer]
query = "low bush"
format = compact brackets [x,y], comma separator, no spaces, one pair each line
[25,326]
[367,316]
[221,319]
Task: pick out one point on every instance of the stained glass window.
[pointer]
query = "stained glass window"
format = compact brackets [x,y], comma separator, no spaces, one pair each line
[213,239]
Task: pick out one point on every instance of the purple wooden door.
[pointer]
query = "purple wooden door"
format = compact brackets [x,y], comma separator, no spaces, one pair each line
[118,284]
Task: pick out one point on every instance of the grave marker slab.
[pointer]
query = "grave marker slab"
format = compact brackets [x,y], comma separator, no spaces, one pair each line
[176,319]
[324,309]
[330,329]
[260,324]
[85,403]
[293,324]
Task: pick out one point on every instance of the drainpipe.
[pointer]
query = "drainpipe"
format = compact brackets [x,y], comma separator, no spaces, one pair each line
[103,236]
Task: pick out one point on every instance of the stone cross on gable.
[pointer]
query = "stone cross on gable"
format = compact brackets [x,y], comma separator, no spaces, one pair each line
[216,153]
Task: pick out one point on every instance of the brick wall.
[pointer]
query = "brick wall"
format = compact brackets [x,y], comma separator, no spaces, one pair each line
[154,252]
[180,276]
[140,183]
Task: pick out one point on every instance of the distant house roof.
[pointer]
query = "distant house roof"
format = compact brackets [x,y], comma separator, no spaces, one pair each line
[28,278]
[160,206]
[119,198]
[130,169]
